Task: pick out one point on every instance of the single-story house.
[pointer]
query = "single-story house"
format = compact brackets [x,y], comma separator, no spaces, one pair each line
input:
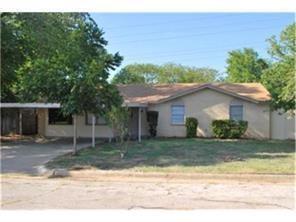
[175,102]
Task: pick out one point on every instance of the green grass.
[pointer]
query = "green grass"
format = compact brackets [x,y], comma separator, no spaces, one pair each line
[189,155]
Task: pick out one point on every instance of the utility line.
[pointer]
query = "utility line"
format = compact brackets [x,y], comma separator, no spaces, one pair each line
[186,52]
[180,61]
[194,35]
[200,27]
[168,22]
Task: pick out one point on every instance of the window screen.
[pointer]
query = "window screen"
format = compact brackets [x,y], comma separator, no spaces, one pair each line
[236,112]
[177,114]
[99,120]
[56,117]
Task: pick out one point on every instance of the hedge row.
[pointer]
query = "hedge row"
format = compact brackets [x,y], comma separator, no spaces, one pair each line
[229,128]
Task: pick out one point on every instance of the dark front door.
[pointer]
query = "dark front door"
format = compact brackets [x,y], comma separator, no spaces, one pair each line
[29,121]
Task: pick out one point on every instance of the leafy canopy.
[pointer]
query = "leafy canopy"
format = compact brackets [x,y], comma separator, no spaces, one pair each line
[166,73]
[245,66]
[62,58]
[280,77]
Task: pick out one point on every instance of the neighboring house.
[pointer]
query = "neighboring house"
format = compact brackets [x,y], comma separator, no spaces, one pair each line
[175,102]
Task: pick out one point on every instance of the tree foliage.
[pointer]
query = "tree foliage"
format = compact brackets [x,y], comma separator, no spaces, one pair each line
[166,73]
[61,57]
[280,77]
[118,120]
[245,66]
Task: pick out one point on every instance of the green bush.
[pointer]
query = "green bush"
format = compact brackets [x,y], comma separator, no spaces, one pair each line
[191,124]
[229,128]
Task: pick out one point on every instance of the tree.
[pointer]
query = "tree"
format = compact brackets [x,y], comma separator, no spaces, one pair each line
[64,61]
[137,73]
[174,73]
[245,66]
[280,77]
[12,54]
[166,73]
[118,119]
[25,36]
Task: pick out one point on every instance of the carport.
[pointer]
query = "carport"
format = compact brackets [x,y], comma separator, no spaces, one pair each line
[22,118]
[16,123]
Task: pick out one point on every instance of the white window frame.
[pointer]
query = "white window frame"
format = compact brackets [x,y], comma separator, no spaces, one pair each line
[172,119]
[230,111]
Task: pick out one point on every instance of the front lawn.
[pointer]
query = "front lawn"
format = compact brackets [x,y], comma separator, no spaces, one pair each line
[188,155]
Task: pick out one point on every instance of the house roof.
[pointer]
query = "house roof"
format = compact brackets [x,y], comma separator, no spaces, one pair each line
[30,105]
[157,93]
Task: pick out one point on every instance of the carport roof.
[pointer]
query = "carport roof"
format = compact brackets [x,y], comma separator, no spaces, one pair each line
[30,105]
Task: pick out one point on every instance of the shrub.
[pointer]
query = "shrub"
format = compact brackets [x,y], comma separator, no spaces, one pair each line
[229,128]
[191,124]
[118,119]
[152,118]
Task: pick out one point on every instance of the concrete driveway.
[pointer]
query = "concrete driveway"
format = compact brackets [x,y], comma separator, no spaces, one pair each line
[30,156]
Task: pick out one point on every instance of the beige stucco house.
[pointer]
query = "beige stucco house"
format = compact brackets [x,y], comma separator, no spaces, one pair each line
[175,102]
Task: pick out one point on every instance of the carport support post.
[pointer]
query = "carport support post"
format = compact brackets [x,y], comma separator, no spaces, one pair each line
[93,142]
[139,125]
[75,134]
[20,122]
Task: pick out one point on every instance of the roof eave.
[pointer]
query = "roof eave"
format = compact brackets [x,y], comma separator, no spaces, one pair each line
[30,105]
[207,86]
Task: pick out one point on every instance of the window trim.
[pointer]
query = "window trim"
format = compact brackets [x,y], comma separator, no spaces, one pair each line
[236,105]
[171,116]
[96,123]
[57,124]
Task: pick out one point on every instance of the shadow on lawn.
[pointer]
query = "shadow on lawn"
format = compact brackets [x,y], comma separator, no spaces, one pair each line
[176,152]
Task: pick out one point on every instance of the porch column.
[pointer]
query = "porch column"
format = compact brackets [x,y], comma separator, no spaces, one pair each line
[139,124]
[93,142]
[20,122]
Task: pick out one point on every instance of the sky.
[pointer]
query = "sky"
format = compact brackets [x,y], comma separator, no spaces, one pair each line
[193,39]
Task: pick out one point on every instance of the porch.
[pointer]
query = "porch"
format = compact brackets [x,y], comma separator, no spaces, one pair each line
[33,118]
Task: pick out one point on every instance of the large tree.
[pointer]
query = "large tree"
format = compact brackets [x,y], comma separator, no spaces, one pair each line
[280,77]
[62,59]
[166,73]
[245,66]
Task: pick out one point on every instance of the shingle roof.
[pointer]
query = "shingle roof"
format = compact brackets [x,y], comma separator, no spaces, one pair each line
[157,93]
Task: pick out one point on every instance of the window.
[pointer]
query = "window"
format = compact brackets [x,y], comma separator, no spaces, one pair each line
[56,117]
[99,120]
[236,112]
[177,114]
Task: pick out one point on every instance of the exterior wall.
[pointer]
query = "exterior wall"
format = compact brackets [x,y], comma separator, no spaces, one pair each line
[83,130]
[282,126]
[208,105]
